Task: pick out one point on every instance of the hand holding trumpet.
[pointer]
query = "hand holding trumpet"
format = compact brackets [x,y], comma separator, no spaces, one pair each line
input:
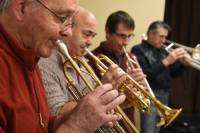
[177,54]
[114,75]
[99,102]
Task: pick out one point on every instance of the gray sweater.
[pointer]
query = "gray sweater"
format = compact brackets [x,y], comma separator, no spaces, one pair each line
[55,82]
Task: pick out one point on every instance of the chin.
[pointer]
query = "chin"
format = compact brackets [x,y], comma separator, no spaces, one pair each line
[45,53]
[159,46]
[78,55]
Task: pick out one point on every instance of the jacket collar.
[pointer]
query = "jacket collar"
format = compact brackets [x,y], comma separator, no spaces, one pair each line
[10,45]
[110,53]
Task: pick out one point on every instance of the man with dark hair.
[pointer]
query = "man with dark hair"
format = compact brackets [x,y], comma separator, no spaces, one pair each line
[159,66]
[119,17]
[119,31]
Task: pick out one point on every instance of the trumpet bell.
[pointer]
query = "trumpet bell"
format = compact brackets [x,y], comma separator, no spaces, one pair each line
[168,114]
[171,115]
[196,53]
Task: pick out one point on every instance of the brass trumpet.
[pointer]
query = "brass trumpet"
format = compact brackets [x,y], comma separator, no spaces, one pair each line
[132,63]
[77,94]
[139,101]
[195,52]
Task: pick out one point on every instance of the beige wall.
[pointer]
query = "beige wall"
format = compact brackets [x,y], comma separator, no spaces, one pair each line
[142,11]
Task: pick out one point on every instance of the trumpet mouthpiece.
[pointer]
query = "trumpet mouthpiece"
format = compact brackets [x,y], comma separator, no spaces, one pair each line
[62,47]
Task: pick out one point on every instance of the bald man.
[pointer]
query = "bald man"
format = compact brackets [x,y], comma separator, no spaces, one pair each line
[59,99]
[84,31]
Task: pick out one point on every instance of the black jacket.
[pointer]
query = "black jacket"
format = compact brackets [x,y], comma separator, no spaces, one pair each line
[150,59]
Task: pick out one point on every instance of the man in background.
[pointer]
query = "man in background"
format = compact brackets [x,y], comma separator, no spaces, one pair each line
[159,66]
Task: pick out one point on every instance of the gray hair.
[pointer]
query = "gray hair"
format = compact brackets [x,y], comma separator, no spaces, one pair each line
[156,25]
[4,5]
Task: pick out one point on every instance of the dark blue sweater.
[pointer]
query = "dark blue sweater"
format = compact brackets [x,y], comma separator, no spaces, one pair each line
[150,59]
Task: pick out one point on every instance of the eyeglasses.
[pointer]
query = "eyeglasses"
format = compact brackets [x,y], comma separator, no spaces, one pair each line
[60,18]
[124,36]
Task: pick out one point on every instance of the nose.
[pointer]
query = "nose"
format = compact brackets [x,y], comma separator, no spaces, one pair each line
[163,40]
[66,32]
[126,42]
[89,42]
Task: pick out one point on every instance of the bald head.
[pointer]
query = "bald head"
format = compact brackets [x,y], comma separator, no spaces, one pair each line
[85,18]
[83,31]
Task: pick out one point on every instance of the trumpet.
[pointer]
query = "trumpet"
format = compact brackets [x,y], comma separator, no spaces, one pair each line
[77,94]
[139,101]
[194,51]
[195,62]
[131,64]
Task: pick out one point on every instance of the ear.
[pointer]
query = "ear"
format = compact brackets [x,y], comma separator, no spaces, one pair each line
[19,8]
[106,29]
[151,34]
[107,33]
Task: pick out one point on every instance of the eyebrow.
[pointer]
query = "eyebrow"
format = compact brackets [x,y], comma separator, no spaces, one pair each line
[91,32]
[64,11]
[59,12]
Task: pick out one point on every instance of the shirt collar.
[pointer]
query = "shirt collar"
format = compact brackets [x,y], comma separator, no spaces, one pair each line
[111,53]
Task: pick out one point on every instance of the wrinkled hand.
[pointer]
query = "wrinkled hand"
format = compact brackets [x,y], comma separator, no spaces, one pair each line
[114,75]
[93,110]
[173,56]
[186,60]
[138,75]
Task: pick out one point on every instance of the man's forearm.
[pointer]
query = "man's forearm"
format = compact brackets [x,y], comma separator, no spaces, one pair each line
[69,124]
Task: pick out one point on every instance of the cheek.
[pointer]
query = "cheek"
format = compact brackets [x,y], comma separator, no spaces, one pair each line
[156,40]
[79,42]
[44,48]
[49,30]
[119,43]
[159,41]
[73,46]
[53,33]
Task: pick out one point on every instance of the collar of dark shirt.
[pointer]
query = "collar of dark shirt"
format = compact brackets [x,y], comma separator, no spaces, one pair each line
[111,53]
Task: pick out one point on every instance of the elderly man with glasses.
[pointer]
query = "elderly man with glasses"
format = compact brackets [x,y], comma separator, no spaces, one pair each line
[28,31]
